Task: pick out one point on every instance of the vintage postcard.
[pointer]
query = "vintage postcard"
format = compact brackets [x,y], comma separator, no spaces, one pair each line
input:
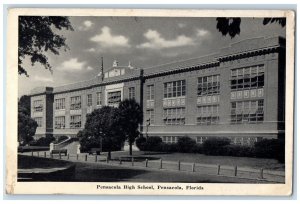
[150,102]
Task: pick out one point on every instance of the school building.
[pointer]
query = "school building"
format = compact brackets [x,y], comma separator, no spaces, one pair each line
[239,93]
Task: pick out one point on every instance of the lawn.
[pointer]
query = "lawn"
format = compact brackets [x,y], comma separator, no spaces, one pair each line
[257,163]
[28,162]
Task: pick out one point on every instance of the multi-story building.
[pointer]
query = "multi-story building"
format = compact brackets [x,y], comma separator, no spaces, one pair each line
[237,93]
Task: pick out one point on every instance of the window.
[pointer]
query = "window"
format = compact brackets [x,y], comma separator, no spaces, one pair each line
[114,97]
[89,100]
[174,116]
[247,77]
[39,121]
[201,139]
[170,139]
[150,92]
[208,85]
[99,102]
[75,103]
[131,92]
[38,106]
[247,111]
[60,104]
[75,121]
[208,115]
[174,89]
[150,116]
[60,122]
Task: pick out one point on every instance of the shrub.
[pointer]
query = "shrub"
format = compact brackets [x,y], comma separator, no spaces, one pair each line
[185,144]
[214,146]
[153,144]
[197,149]
[44,141]
[237,151]
[165,147]
[140,143]
[270,148]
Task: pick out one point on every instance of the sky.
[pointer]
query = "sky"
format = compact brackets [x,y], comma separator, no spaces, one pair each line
[144,41]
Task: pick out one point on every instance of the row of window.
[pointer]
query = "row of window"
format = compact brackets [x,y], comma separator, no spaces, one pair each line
[201,139]
[75,122]
[174,116]
[38,106]
[174,89]
[114,97]
[209,85]
[75,102]
[247,111]
[247,78]
[241,111]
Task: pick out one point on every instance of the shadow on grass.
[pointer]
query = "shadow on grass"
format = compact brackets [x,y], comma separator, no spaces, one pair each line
[104,174]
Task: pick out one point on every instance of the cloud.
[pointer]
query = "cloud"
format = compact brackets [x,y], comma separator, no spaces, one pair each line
[107,40]
[90,50]
[86,25]
[89,68]
[72,65]
[202,33]
[43,79]
[155,41]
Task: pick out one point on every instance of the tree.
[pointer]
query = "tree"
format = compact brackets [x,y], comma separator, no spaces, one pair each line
[36,36]
[24,104]
[26,127]
[130,116]
[101,129]
[231,26]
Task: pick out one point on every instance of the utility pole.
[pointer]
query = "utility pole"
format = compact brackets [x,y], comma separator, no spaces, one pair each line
[102,72]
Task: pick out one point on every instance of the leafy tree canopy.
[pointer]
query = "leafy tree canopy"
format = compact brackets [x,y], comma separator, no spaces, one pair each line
[102,126]
[231,26]
[37,36]
[26,128]
[24,104]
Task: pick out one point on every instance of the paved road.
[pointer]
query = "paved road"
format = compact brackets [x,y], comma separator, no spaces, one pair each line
[89,172]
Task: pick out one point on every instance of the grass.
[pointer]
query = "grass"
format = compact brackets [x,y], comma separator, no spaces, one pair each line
[28,162]
[271,164]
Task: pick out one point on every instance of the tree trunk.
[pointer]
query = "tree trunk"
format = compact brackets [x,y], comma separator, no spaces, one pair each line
[109,155]
[130,148]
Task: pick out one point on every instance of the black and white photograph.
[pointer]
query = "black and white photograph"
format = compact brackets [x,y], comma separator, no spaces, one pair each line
[142,103]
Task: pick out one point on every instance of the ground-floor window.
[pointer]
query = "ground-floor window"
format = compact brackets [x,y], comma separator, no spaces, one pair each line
[170,139]
[60,122]
[75,121]
[201,139]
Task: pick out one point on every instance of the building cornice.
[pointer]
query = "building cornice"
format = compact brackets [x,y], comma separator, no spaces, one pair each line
[250,53]
[180,70]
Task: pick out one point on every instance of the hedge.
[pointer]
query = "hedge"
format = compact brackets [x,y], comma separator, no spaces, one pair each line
[218,146]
